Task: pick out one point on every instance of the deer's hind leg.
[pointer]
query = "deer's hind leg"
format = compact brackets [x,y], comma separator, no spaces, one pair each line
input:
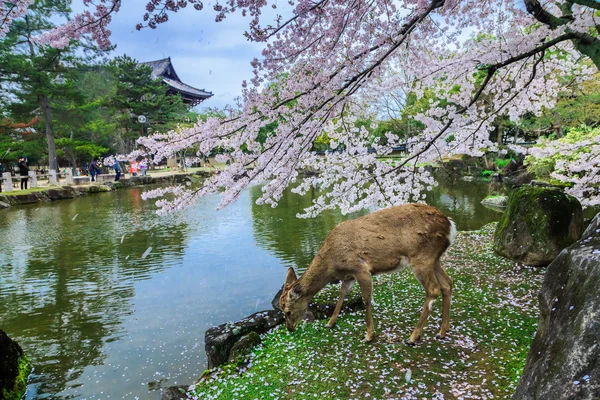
[346,285]
[424,272]
[446,286]
[366,290]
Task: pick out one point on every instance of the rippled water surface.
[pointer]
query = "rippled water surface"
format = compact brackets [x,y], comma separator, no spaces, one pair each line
[110,300]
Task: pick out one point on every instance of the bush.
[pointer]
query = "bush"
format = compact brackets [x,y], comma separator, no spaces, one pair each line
[501,163]
[486,173]
[540,167]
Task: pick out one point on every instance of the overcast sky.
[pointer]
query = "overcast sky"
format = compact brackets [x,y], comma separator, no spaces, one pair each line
[207,55]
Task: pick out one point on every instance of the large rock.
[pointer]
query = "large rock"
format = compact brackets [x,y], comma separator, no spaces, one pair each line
[537,224]
[65,192]
[14,369]
[244,346]
[219,340]
[518,178]
[564,358]
[178,392]
[495,201]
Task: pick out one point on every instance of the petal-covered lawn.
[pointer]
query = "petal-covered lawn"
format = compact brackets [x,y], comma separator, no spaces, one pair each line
[493,321]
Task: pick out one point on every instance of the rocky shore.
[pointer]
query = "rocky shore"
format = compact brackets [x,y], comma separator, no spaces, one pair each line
[53,193]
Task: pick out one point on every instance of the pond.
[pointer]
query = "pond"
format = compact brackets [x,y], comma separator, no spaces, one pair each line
[110,300]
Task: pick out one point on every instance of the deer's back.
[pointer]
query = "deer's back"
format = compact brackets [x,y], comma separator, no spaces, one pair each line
[387,239]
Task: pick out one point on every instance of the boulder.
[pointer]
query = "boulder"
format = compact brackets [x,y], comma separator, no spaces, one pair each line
[564,358]
[14,369]
[219,340]
[537,224]
[511,167]
[30,198]
[177,392]
[517,178]
[4,205]
[495,201]
[65,192]
[244,346]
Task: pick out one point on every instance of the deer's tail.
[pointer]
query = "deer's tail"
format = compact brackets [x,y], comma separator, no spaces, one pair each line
[452,234]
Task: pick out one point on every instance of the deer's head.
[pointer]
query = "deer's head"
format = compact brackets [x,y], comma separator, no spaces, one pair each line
[292,303]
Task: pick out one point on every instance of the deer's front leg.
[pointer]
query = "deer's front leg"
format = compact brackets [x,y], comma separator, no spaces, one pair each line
[366,290]
[346,285]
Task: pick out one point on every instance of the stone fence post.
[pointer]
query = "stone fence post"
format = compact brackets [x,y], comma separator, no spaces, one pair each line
[69,178]
[7,182]
[52,177]
[33,179]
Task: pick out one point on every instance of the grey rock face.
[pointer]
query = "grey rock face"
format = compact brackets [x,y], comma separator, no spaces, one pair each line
[219,340]
[564,358]
[175,393]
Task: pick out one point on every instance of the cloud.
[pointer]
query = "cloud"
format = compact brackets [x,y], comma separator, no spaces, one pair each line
[207,55]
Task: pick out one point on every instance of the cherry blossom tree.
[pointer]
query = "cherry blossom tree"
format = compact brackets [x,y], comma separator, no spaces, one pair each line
[479,60]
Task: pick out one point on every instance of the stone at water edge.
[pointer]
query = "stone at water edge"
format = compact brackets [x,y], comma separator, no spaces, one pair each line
[177,392]
[564,358]
[244,346]
[219,340]
[14,369]
[537,224]
[495,201]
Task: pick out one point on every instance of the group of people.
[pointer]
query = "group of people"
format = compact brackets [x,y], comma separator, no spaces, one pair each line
[134,168]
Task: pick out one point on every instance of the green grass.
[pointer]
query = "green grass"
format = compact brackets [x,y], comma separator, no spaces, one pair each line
[494,317]
[28,191]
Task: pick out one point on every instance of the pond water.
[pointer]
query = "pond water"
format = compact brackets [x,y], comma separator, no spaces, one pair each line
[110,300]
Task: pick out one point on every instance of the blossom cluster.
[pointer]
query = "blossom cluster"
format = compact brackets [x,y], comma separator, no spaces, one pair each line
[88,22]
[9,11]
[327,65]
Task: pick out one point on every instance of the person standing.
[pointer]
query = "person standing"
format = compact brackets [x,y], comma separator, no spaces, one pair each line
[117,168]
[93,170]
[133,168]
[24,172]
[143,166]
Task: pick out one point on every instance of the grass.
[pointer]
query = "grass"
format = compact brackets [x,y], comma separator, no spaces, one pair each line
[29,191]
[494,318]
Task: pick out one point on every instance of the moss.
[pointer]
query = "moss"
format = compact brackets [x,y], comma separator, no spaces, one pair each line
[18,390]
[540,218]
[493,321]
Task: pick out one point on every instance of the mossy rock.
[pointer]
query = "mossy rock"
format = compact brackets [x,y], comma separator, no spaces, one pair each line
[537,225]
[244,346]
[14,369]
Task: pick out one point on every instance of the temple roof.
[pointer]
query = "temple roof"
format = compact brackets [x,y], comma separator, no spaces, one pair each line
[164,69]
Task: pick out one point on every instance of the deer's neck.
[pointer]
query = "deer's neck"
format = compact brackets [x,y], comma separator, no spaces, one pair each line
[314,279]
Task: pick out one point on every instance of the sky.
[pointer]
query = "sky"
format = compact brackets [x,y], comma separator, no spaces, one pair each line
[205,54]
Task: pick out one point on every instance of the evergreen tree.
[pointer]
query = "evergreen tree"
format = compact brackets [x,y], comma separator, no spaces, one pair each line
[139,94]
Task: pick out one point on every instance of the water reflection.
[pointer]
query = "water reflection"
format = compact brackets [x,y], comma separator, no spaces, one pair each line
[100,321]
[296,241]
[67,279]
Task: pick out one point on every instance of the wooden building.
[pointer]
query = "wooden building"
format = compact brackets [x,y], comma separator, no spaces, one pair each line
[164,70]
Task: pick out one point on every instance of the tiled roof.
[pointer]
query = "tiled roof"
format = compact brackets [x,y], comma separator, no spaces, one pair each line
[163,68]
[182,87]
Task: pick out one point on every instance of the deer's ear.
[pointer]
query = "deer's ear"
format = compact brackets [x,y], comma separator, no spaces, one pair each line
[295,292]
[291,276]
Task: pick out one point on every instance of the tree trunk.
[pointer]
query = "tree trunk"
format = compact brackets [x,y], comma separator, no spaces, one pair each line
[45,104]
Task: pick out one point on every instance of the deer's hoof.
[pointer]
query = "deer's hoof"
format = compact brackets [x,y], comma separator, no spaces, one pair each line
[441,337]
[330,325]
[409,343]
[368,338]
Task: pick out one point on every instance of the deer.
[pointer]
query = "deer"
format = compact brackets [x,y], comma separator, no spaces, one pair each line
[385,241]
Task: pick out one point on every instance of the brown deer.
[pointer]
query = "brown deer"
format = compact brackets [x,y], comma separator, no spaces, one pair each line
[385,241]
